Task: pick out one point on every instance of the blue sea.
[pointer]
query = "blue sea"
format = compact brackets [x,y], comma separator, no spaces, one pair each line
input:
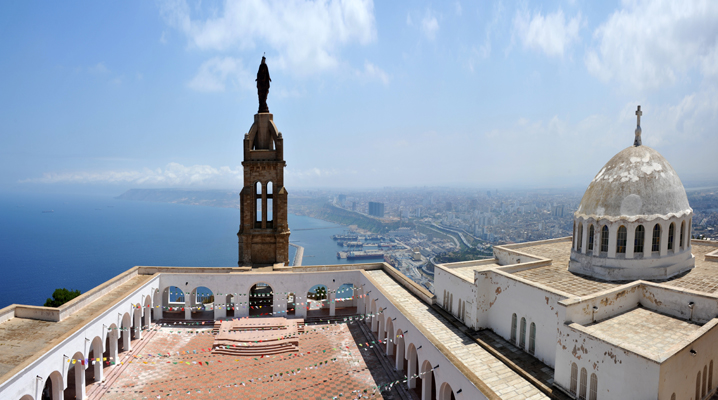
[88,239]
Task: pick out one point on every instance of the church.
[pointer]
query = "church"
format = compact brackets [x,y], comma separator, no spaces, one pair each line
[625,308]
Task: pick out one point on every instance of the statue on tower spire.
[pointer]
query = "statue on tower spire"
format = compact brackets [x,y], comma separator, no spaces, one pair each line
[263,80]
[637,141]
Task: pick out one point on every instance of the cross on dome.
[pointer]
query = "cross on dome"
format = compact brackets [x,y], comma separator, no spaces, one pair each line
[638,115]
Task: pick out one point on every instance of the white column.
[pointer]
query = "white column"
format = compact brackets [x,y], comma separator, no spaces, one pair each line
[612,232]
[187,306]
[138,323]
[630,239]
[584,237]
[98,367]
[113,347]
[664,237]
[332,303]
[79,381]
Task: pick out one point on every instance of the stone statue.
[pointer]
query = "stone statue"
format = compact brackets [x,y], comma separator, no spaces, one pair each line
[263,80]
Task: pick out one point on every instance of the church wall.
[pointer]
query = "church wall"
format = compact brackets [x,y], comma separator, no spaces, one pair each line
[461,289]
[621,374]
[602,305]
[675,302]
[501,295]
[26,380]
[678,374]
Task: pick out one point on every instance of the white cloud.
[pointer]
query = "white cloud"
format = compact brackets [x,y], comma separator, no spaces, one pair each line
[214,73]
[306,35]
[98,68]
[551,34]
[429,25]
[373,72]
[649,44]
[173,174]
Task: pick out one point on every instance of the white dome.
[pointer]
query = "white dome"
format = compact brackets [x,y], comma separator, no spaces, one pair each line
[636,183]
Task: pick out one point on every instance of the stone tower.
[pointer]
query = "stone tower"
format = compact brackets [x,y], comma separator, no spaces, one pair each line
[263,230]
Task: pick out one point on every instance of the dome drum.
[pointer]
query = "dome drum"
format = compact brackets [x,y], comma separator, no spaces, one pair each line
[622,250]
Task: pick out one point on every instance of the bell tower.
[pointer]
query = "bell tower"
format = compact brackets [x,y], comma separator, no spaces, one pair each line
[263,230]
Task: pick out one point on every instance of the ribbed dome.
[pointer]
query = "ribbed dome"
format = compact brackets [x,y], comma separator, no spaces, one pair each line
[636,183]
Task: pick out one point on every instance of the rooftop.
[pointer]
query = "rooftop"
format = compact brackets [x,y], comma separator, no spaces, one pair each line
[644,332]
[24,340]
[702,278]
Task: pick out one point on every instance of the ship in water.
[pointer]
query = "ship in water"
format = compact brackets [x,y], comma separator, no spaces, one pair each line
[360,255]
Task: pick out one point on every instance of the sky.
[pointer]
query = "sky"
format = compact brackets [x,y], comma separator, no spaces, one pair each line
[107,96]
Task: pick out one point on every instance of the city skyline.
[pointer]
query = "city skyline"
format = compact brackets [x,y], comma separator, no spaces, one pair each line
[102,97]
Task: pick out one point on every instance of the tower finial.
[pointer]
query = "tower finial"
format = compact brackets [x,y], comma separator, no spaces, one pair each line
[637,141]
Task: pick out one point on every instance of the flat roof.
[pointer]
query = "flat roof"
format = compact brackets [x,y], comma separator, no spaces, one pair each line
[644,332]
[23,340]
[702,278]
[490,370]
[467,273]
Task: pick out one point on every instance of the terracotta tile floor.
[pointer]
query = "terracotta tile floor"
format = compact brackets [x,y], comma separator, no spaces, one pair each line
[230,377]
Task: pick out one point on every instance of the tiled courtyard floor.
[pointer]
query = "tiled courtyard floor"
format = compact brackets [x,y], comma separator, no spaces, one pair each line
[348,372]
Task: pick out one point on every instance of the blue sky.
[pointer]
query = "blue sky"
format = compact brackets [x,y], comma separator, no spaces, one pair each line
[116,95]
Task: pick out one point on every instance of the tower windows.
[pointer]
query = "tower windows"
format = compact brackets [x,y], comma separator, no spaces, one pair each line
[522,337]
[590,238]
[258,205]
[532,338]
[671,230]
[639,240]
[656,247]
[683,233]
[513,328]
[604,239]
[269,211]
[580,237]
[621,240]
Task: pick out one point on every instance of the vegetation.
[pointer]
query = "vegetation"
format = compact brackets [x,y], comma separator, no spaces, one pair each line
[319,293]
[463,255]
[60,297]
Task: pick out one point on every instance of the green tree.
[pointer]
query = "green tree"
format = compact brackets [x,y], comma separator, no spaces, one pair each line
[60,297]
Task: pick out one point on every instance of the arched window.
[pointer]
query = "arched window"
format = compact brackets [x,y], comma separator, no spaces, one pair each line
[580,237]
[698,385]
[590,238]
[574,234]
[258,205]
[671,230]
[604,239]
[513,328]
[270,204]
[621,240]
[574,378]
[683,233]
[640,239]
[673,396]
[593,391]
[582,389]
[522,337]
[656,238]
[705,372]
[532,338]
[710,376]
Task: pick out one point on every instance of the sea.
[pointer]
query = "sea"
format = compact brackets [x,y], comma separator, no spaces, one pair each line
[50,241]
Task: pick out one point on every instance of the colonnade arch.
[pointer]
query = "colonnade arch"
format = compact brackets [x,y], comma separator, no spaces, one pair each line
[400,350]
[201,302]
[445,393]
[124,339]
[261,299]
[428,382]
[26,397]
[54,387]
[96,351]
[75,378]
[390,338]
[317,300]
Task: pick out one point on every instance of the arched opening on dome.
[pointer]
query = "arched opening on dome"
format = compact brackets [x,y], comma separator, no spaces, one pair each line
[639,240]
[591,234]
[656,244]
[580,237]
[671,233]
[261,299]
[574,234]
[621,240]
[604,239]
[683,235]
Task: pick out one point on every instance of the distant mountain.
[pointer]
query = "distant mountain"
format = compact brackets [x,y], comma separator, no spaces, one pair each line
[210,198]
